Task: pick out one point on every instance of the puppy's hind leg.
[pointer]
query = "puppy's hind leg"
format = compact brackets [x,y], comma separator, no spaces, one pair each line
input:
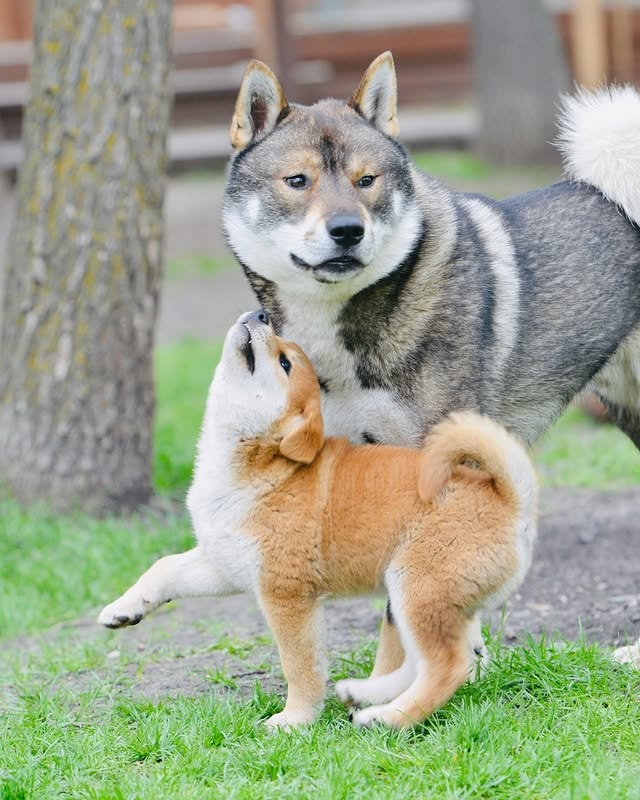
[436,636]
[377,688]
[187,574]
[478,653]
[390,655]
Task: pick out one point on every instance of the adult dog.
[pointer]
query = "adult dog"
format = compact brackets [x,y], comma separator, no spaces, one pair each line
[412,300]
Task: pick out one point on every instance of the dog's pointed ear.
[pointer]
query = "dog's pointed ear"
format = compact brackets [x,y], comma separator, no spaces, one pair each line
[376,99]
[303,442]
[260,105]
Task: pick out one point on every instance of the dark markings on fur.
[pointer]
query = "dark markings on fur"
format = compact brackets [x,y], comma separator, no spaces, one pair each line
[324,385]
[284,113]
[628,421]
[389,613]
[403,182]
[572,317]
[365,317]
[259,112]
[369,438]
[266,292]
[477,650]
[377,100]
[328,154]
[471,290]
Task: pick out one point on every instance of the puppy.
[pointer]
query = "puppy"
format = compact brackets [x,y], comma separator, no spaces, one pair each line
[277,511]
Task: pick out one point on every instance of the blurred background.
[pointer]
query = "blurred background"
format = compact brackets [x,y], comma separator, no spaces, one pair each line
[321,47]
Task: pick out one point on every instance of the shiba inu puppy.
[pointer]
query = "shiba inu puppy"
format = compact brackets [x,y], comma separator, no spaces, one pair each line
[281,512]
[412,300]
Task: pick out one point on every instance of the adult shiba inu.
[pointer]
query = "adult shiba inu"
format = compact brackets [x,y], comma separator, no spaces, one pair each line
[293,518]
[412,300]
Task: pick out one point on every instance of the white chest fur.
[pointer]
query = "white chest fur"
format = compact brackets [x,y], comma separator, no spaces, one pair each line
[219,509]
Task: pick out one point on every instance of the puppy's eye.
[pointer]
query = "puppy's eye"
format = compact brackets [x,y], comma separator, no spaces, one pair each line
[297,181]
[285,363]
[366,181]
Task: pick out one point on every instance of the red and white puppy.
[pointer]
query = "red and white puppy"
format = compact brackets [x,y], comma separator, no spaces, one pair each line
[280,513]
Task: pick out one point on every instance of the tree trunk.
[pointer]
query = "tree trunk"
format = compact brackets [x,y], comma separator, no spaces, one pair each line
[519,70]
[84,266]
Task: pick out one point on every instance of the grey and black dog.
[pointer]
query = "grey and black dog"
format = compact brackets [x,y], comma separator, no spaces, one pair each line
[413,300]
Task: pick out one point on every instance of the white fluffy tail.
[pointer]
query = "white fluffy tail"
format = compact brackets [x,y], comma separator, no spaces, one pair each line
[599,141]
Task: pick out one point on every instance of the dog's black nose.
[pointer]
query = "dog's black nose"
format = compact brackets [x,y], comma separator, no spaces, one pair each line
[345,229]
[259,316]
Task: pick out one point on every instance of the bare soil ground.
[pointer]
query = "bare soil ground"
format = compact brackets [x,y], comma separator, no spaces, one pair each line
[583,582]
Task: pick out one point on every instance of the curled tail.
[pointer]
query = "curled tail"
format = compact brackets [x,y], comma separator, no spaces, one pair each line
[599,140]
[465,436]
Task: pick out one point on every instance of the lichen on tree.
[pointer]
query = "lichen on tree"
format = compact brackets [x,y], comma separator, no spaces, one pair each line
[84,261]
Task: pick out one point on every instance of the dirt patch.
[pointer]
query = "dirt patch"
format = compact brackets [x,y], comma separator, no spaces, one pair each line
[583,581]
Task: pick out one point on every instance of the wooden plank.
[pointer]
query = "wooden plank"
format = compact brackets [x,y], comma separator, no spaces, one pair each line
[622,41]
[589,44]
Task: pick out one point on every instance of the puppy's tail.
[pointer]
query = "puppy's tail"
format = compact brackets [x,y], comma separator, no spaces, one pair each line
[465,436]
[599,141]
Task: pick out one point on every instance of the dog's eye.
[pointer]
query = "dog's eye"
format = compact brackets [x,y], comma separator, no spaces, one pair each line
[297,181]
[366,181]
[285,363]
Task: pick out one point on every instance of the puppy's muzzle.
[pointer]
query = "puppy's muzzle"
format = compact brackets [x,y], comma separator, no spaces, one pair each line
[260,316]
[254,324]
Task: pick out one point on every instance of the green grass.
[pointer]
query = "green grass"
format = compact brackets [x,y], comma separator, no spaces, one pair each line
[54,568]
[581,452]
[454,164]
[546,722]
[183,374]
[196,264]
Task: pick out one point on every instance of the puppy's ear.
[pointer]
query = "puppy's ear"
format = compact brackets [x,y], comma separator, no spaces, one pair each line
[260,105]
[303,442]
[376,99]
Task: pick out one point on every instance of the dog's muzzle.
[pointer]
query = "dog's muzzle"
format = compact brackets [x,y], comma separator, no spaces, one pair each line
[331,270]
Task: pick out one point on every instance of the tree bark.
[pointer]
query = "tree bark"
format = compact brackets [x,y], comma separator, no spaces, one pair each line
[84,265]
[519,70]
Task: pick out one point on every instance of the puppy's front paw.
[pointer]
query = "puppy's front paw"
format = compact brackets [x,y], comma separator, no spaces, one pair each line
[122,612]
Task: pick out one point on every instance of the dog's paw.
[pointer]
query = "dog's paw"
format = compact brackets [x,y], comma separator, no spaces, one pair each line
[628,655]
[122,612]
[288,721]
[352,692]
[376,715]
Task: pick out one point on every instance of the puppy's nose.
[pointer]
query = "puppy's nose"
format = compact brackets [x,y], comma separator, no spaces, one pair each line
[345,229]
[257,316]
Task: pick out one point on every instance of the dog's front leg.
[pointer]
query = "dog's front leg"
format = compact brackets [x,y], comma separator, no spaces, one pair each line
[188,574]
[296,624]
[390,655]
